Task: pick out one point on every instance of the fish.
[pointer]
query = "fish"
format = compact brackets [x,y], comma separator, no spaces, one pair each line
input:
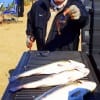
[51,68]
[61,78]
[73,91]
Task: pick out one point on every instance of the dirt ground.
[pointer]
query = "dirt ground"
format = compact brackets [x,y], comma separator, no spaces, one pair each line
[12,46]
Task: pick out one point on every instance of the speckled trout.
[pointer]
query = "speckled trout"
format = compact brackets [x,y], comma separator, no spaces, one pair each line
[61,78]
[51,68]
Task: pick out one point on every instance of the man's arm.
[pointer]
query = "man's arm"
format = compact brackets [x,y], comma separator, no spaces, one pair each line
[84,16]
[30,28]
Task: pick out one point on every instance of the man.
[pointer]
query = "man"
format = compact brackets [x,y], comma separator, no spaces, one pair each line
[20,8]
[55,24]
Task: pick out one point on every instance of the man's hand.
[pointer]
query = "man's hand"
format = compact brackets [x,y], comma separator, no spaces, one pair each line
[29,41]
[74,12]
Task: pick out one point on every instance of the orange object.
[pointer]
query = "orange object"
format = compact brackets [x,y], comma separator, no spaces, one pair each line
[31,43]
[66,11]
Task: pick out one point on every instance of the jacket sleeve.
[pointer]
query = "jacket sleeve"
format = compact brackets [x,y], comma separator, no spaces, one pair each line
[84,18]
[30,21]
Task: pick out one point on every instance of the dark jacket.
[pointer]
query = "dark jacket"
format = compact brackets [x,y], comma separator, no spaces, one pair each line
[37,21]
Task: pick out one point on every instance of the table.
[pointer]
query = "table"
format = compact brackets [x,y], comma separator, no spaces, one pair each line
[34,59]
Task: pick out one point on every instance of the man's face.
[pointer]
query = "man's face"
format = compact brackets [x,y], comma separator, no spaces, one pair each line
[58,2]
